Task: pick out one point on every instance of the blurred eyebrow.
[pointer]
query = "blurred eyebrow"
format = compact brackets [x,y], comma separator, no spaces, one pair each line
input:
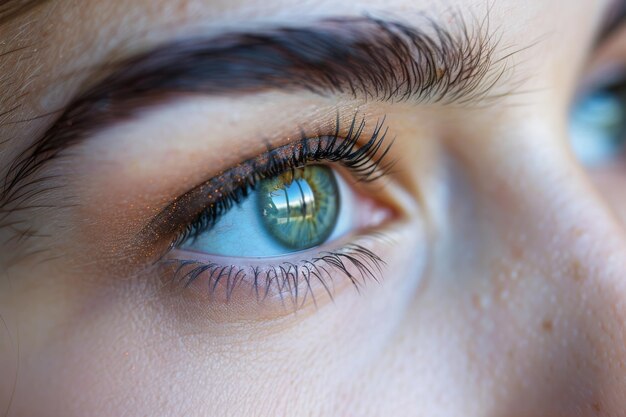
[616,18]
[11,9]
[358,56]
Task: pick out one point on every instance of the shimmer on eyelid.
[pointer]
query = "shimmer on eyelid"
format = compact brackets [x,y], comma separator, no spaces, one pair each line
[360,57]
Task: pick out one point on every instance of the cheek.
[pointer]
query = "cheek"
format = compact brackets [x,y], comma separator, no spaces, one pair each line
[129,351]
[534,298]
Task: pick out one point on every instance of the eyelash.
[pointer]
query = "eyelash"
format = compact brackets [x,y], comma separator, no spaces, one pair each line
[284,278]
[352,261]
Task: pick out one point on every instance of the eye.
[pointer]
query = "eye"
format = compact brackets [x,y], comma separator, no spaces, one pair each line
[293,211]
[288,221]
[598,124]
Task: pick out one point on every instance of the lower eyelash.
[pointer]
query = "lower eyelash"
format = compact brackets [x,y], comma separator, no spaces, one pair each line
[287,280]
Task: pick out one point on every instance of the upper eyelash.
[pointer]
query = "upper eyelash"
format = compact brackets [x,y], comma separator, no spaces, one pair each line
[366,162]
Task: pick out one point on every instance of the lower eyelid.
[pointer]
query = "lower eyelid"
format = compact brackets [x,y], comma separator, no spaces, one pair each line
[188,278]
[290,282]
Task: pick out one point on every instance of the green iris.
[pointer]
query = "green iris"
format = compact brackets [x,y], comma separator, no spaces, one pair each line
[299,208]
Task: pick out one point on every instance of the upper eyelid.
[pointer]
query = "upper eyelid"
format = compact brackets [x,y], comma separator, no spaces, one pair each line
[387,60]
[369,159]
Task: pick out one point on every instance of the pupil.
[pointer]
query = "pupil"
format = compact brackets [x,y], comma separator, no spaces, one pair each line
[299,208]
[293,203]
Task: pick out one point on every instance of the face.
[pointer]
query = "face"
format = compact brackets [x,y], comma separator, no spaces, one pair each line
[277,208]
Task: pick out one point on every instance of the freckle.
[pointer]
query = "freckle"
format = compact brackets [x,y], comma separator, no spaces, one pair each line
[577,232]
[476,301]
[596,407]
[480,302]
[577,271]
[547,326]
[517,252]
[440,72]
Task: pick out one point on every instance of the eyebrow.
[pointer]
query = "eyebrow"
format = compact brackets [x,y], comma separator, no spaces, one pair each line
[616,18]
[363,57]
[11,9]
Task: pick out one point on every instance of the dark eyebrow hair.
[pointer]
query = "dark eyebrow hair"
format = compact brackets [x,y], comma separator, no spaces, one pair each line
[616,18]
[359,56]
[11,9]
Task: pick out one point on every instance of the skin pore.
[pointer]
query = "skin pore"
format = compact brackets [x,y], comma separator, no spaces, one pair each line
[502,288]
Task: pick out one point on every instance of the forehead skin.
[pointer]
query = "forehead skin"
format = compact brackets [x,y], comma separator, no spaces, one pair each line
[47,50]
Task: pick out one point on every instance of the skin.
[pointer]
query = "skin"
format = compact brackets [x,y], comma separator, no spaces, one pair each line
[503,292]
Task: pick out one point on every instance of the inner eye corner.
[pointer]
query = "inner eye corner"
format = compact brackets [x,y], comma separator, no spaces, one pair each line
[597,121]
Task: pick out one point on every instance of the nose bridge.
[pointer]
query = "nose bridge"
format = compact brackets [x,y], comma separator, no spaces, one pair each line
[590,270]
[576,230]
[536,185]
[568,249]
[595,276]
[578,249]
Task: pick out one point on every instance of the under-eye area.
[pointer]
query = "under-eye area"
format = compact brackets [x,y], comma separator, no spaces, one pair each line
[292,281]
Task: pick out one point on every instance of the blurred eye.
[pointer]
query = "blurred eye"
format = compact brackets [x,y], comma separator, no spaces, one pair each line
[293,211]
[598,124]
